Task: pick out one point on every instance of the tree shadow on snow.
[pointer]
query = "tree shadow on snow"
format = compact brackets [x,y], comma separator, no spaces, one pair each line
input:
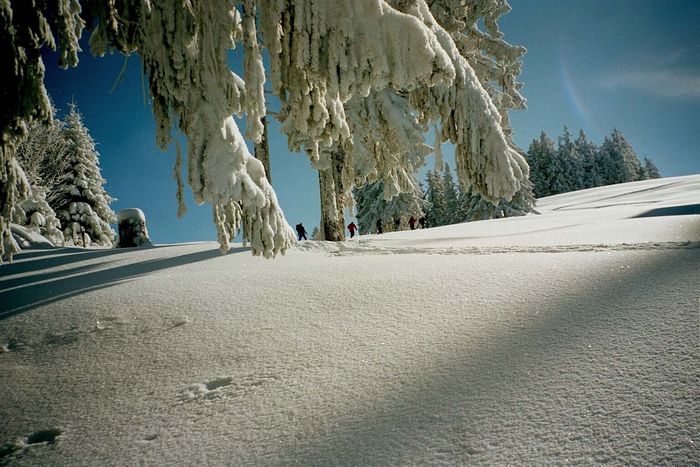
[685,210]
[26,293]
[495,374]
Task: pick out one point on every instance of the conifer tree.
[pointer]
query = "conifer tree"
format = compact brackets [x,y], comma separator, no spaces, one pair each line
[80,200]
[435,195]
[587,153]
[540,155]
[617,161]
[649,170]
[565,171]
[452,213]
[371,205]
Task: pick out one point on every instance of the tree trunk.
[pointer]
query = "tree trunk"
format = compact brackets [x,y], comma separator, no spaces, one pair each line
[333,199]
[262,151]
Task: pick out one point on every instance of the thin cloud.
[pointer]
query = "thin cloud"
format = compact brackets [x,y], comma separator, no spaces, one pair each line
[664,83]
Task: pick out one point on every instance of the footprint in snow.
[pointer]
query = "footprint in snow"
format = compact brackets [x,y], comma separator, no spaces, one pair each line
[224,386]
[36,439]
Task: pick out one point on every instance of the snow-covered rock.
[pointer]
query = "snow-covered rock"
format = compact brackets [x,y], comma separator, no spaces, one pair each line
[132,228]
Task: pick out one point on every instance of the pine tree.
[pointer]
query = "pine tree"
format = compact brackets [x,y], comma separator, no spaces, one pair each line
[566,169]
[435,195]
[475,208]
[371,206]
[452,213]
[650,170]
[540,156]
[617,161]
[587,153]
[80,201]
[40,217]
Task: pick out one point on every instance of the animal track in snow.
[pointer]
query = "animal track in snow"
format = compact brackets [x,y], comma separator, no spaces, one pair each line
[224,387]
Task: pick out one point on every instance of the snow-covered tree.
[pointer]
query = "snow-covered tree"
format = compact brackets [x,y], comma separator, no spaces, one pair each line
[476,208]
[321,54]
[566,169]
[452,213]
[617,161]
[587,153]
[80,200]
[371,205]
[649,170]
[435,195]
[540,155]
[40,217]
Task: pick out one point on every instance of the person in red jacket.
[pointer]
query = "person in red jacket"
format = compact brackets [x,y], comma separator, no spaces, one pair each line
[412,223]
[352,228]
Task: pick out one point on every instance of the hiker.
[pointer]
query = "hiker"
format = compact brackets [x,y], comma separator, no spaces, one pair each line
[422,221]
[412,223]
[301,231]
[379,226]
[397,224]
[352,228]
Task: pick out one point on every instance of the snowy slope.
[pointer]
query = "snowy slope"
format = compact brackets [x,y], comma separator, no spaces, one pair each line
[565,337]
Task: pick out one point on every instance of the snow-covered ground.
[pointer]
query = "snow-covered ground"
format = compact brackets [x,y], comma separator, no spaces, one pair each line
[568,337]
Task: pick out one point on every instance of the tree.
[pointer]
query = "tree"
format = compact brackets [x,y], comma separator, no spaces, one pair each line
[587,153]
[80,200]
[371,205]
[321,55]
[452,213]
[540,155]
[435,195]
[565,170]
[649,170]
[617,161]
[476,208]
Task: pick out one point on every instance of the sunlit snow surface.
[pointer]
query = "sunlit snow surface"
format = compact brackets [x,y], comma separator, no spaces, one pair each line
[565,337]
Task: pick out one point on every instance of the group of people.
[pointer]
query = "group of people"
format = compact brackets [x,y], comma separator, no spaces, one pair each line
[422,221]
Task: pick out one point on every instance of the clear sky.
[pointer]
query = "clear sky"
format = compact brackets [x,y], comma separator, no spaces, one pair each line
[591,64]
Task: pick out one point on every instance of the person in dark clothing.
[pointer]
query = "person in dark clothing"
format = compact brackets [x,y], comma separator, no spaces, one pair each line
[301,231]
[379,226]
[423,222]
[397,224]
[412,223]
[352,228]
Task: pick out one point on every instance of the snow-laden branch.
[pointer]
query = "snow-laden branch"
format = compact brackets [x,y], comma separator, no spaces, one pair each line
[323,52]
[184,52]
[468,118]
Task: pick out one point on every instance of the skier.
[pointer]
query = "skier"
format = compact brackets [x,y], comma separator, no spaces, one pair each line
[301,231]
[422,221]
[412,223]
[352,228]
[379,226]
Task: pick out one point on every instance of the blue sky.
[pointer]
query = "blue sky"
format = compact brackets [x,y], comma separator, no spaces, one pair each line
[591,64]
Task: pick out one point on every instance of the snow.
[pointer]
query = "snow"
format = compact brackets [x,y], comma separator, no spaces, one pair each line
[565,337]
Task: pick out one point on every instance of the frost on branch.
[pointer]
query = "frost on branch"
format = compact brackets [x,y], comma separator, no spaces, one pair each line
[184,52]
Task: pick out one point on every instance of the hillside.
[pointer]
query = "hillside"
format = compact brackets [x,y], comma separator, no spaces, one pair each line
[568,336]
